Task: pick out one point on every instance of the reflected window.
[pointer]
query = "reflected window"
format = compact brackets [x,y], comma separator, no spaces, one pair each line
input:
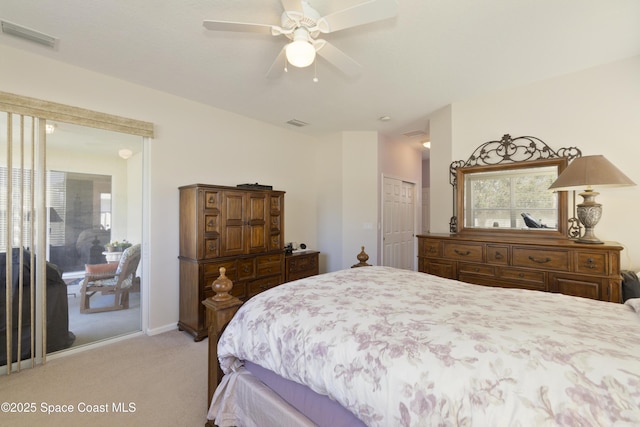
[511,199]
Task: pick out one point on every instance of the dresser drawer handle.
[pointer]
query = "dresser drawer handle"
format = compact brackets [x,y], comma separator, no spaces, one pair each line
[540,261]
[498,255]
[432,249]
[462,253]
[246,269]
[210,224]
[211,247]
[521,275]
[212,199]
[590,263]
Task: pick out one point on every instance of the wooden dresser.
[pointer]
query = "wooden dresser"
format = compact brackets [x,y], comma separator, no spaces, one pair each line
[544,264]
[300,264]
[238,229]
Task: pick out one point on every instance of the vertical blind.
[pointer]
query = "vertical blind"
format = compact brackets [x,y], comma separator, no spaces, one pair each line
[23,235]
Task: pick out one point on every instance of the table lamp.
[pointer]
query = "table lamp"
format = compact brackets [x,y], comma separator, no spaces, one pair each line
[590,172]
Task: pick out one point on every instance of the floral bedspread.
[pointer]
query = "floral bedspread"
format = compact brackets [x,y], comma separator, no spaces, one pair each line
[401,348]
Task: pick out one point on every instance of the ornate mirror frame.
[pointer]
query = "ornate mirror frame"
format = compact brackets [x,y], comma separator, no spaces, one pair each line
[511,154]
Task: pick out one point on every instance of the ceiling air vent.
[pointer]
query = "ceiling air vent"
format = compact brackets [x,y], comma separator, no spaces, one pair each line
[27,34]
[414,133]
[298,123]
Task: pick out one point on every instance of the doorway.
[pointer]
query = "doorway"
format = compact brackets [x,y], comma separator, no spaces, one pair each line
[398,223]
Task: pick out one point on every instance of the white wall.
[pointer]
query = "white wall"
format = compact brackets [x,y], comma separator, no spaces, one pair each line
[327,175]
[440,158]
[596,110]
[360,196]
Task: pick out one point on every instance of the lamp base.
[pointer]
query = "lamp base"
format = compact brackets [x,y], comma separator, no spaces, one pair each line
[593,239]
[589,213]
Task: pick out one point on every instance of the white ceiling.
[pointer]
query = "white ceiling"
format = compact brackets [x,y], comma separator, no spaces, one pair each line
[433,53]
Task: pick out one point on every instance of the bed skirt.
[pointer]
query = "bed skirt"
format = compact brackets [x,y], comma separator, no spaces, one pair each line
[264,408]
[274,399]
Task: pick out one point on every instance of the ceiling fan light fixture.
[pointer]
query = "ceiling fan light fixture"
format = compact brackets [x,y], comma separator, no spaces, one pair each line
[300,52]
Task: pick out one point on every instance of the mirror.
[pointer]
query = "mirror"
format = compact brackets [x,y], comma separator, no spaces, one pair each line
[503,188]
[512,197]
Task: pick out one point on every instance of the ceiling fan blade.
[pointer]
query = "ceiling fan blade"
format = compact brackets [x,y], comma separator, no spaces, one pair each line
[363,13]
[278,66]
[337,58]
[244,27]
[292,5]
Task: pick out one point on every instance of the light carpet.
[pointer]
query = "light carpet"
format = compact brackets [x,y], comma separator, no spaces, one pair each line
[159,380]
[93,327]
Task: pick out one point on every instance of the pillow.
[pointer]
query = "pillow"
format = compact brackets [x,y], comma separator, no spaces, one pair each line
[630,285]
[100,270]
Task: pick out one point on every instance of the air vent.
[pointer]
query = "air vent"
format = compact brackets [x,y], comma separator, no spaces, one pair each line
[414,133]
[27,34]
[298,123]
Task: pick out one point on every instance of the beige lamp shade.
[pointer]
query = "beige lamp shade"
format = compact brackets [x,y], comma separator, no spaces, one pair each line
[590,171]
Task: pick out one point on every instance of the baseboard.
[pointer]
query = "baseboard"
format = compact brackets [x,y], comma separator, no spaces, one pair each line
[162,329]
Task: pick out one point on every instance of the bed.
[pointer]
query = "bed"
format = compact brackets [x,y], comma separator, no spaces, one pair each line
[401,348]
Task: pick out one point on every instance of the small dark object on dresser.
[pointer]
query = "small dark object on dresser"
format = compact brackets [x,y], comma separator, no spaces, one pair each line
[255,186]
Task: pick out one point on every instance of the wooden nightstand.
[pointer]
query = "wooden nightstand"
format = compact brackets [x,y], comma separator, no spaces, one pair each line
[300,264]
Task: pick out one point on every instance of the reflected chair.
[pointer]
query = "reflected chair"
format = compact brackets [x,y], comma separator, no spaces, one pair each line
[110,279]
[531,222]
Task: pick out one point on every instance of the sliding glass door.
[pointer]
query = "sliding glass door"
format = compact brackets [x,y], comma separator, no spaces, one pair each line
[94,190]
[71,211]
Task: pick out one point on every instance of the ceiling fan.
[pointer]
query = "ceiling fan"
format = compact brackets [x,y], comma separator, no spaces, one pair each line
[302,24]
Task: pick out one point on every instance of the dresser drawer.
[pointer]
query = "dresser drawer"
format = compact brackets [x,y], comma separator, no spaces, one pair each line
[211,223]
[463,251]
[537,277]
[438,267]
[498,254]
[541,258]
[268,265]
[212,271]
[246,269]
[591,263]
[431,248]
[261,285]
[211,247]
[212,199]
[478,269]
[581,286]
[300,265]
